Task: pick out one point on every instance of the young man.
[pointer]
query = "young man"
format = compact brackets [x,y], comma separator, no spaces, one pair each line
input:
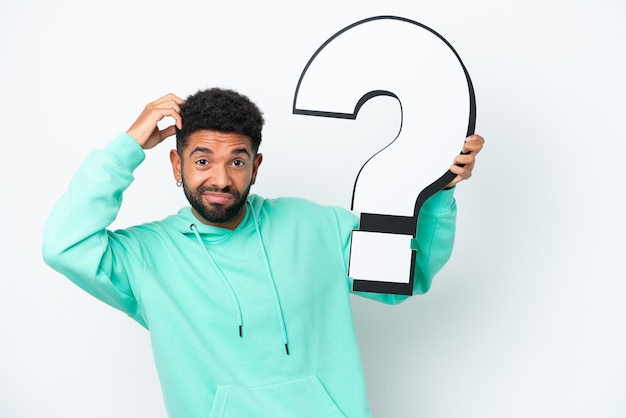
[246,299]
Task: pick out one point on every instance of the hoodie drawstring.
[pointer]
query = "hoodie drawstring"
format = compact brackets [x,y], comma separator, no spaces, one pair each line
[279,308]
[233,295]
[268,269]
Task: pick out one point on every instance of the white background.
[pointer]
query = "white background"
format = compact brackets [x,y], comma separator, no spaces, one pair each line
[526,320]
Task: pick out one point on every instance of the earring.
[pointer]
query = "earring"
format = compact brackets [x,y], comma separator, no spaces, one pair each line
[178,184]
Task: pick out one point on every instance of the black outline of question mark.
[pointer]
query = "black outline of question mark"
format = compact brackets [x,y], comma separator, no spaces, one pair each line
[394,224]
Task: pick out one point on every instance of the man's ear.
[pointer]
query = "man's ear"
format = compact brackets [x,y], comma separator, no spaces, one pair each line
[176,166]
[255,166]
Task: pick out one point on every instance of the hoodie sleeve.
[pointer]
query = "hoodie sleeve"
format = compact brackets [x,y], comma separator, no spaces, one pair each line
[76,241]
[436,227]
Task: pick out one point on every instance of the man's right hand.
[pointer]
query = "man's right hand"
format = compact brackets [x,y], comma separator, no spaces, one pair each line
[145,129]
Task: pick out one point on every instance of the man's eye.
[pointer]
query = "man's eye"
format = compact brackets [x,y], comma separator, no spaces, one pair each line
[238,163]
[202,161]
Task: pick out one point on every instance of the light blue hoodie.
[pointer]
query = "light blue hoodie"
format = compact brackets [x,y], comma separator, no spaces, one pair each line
[253,322]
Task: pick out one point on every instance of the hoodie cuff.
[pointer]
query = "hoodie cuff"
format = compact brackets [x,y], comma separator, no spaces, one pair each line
[440,202]
[127,151]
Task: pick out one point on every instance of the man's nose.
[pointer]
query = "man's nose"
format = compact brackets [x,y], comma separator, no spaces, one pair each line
[220,177]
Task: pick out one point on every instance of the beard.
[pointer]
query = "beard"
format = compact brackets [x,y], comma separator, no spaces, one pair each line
[216,213]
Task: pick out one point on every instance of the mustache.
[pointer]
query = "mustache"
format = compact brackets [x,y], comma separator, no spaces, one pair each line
[214,189]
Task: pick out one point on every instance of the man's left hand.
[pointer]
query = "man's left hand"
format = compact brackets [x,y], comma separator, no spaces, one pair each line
[464,162]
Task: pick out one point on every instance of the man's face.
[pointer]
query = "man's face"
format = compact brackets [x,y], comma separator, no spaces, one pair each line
[217,170]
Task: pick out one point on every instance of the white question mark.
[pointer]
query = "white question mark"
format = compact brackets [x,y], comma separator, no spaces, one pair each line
[397,57]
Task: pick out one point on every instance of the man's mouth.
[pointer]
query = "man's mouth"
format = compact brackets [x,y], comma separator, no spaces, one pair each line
[217,197]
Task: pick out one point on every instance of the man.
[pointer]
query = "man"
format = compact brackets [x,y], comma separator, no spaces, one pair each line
[246,299]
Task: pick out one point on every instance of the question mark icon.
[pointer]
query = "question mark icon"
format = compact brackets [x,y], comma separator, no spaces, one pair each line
[403,59]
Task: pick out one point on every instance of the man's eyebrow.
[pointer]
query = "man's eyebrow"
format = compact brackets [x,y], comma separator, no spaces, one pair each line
[241,150]
[203,150]
[236,151]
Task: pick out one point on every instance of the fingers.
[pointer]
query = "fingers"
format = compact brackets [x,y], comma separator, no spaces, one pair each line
[145,130]
[168,105]
[463,164]
[473,144]
[462,172]
[168,97]
[169,131]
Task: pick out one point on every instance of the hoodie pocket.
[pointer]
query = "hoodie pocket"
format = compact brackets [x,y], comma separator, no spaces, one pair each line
[302,398]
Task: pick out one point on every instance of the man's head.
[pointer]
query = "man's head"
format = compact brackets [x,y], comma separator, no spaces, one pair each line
[220,110]
[217,157]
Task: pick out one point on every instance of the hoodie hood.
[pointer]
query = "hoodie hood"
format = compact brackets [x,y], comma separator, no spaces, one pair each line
[185,217]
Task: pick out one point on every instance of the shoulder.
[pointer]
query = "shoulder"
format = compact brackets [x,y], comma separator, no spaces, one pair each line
[295,207]
[170,225]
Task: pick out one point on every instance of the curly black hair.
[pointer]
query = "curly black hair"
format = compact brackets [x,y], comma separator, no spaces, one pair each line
[220,110]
